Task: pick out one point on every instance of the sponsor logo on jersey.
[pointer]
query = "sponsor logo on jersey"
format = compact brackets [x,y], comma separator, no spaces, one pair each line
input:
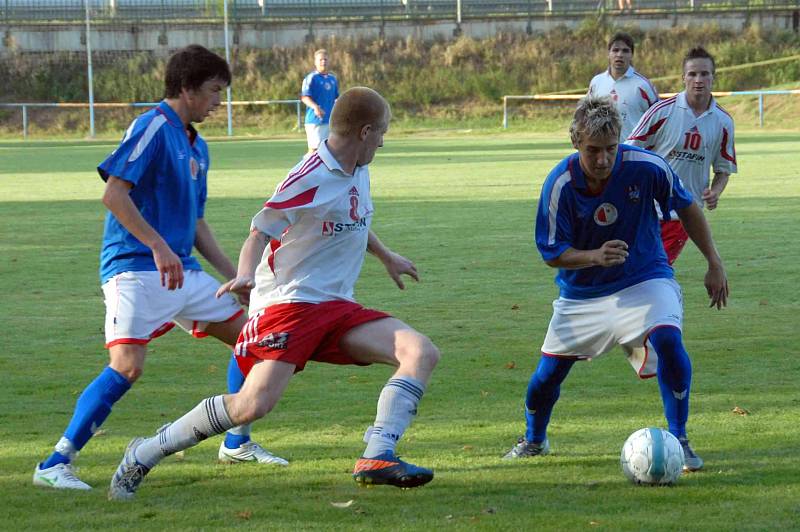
[633,193]
[334,228]
[275,341]
[354,191]
[605,214]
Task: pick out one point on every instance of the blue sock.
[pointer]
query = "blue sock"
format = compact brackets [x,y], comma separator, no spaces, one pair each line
[235,382]
[674,377]
[543,391]
[93,407]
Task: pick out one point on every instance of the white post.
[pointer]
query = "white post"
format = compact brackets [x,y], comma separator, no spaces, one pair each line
[89,70]
[228,59]
[458,12]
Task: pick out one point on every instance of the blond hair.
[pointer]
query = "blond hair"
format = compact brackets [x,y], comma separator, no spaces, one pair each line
[595,116]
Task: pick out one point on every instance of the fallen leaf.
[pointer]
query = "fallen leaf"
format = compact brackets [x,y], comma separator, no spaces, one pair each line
[511,365]
[740,411]
[212,368]
[244,514]
[514,307]
[489,511]
[180,456]
[99,432]
[593,523]
[763,302]
[467,447]
[347,504]
[484,394]
[448,517]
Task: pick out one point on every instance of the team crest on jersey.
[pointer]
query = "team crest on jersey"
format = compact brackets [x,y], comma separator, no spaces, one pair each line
[327,86]
[614,95]
[194,167]
[278,340]
[354,191]
[633,193]
[605,214]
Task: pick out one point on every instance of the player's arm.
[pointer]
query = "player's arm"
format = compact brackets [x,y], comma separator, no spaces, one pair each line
[319,111]
[249,257]
[396,265]
[611,253]
[696,226]
[711,194]
[207,245]
[116,198]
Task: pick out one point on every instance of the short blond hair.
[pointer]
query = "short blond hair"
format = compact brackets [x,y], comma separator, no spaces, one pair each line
[321,51]
[595,116]
[358,107]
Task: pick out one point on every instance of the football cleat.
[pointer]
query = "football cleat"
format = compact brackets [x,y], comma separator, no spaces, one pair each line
[525,449]
[691,462]
[386,468]
[249,452]
[129,474]
[60,476]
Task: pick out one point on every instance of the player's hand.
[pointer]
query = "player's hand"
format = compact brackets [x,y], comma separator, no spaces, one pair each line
[398,265]
[717,286]
[319,111]
[612,253]
[240,286]
[711,198]
[169,265]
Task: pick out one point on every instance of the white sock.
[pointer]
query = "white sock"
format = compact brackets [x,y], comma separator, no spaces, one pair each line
[397,406]
[206,419]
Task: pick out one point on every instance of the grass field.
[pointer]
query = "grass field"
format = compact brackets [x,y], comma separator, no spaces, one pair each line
[462,207]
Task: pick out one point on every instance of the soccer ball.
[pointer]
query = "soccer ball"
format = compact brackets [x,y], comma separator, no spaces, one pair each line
[652,456]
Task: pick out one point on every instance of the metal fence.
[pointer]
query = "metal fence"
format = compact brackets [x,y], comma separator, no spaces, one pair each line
[17,11]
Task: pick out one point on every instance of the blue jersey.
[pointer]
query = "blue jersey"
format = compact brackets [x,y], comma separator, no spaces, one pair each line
[168,172]
[323,89]
[570,216]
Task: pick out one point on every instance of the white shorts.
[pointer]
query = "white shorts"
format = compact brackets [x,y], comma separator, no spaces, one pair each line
[316,133]
[139,309]
[588,328]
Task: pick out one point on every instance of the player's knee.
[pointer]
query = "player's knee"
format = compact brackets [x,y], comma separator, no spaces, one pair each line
[244,409]
[667,341]
[130,371]
[420,352]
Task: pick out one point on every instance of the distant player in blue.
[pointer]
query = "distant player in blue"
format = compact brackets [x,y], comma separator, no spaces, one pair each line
[156,194]
[320,90]
[598,225]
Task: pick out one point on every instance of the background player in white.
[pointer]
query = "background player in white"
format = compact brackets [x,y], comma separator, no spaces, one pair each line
[319,92]
[156,194]
[694,134]
[597,223]
[304,254]
[632,92]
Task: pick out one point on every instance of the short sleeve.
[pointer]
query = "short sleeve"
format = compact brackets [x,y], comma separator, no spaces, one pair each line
[554,231]
[725,158]
[139,147]
[306,90]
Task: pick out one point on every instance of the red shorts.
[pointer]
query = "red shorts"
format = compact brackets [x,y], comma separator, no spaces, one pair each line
[299,332]
[674,237]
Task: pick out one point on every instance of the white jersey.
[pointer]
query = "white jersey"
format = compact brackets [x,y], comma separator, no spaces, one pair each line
[318,223]
[690,144]
[633,94]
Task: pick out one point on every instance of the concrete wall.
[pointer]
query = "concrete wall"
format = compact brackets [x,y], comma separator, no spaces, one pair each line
[156,37]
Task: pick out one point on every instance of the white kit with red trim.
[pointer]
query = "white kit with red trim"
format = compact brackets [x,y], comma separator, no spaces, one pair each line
[318,222]
[691,144]
[633,94]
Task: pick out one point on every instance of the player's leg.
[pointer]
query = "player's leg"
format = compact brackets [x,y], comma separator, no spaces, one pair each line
[390,341]
[544,389]
[674,381]
[222,318]
[263,387]
[93,407]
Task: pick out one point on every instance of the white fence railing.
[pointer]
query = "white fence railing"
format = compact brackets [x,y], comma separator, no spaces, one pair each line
[566,97]
[26,106]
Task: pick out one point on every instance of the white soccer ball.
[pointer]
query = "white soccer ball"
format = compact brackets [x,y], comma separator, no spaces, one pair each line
[652,456]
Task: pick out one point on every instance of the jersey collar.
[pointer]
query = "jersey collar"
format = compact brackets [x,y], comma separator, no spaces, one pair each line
[328,159]
[628,73]
[172,117]
[680,100]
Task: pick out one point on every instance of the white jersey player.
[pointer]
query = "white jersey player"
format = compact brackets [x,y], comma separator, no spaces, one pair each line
[632,92]
[309,242]
[694,134]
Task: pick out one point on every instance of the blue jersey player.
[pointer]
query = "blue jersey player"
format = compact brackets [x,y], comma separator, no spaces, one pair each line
[319,92]
[598,225]
[156,193]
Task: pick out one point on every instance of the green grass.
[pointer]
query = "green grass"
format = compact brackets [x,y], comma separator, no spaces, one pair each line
[462,207]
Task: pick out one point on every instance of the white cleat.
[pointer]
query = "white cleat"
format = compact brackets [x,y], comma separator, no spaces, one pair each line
[129,474]
[60,476]
[249,452]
